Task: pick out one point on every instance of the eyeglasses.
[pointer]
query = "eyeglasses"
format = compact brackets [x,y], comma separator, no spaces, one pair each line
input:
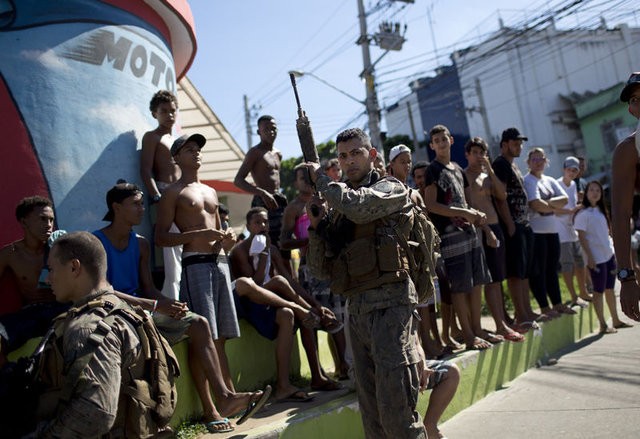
[634,100]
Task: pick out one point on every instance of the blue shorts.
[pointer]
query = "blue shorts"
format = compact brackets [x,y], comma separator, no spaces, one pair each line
[261,317]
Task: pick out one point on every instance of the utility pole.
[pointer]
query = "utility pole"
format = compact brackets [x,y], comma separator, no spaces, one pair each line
[485,118]
[371,102]
[413,128]
[247,122]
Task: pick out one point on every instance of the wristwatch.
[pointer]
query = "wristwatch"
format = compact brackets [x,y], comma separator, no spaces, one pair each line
[155,198]
[626,274]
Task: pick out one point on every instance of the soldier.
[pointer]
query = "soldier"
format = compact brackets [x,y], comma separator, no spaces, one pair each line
[77,273]
[381,296]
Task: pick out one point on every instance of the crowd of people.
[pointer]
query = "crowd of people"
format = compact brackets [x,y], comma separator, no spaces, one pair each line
[354,281]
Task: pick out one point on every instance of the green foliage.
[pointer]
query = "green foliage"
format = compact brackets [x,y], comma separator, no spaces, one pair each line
[190,430]
[287,176]
[325,151]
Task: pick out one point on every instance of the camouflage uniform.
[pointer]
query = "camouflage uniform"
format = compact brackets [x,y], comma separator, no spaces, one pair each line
[93,406]
[383,326]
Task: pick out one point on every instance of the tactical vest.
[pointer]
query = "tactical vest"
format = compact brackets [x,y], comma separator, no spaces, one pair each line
[373,257]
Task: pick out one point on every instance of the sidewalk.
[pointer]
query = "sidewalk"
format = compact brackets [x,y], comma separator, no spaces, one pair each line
[592,392]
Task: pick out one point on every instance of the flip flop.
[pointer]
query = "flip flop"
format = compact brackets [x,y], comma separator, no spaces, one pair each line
[227,427]
[565,310]
[583,304]
[254,406]
[608,330]
[493,338]
[622,325]
[525,327]
[328,386]
[296,396]
[543,318]
[478,345]
[514,337]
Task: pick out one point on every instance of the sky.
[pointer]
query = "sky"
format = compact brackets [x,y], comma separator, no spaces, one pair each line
[247,47]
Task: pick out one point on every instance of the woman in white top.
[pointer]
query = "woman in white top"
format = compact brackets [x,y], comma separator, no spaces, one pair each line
[593,226]
[545,195]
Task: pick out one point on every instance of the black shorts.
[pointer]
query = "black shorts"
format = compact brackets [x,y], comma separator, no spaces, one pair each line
[496,257]
[519,252]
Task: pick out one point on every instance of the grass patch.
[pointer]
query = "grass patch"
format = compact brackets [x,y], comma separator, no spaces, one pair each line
[190,429]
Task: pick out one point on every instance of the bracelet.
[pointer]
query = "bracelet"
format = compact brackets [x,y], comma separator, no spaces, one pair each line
[155,306]
[264,253]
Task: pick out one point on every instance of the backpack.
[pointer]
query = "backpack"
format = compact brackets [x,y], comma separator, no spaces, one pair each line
[148,395]
[421,247]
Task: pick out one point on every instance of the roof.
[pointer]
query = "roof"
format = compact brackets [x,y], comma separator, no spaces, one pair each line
[221,156]
[224,186]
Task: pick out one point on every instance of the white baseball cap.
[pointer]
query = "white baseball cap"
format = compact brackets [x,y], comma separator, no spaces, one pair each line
[397,150]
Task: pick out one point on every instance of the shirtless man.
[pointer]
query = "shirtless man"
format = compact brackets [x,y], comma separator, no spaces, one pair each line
[205,284]
[484,186]
[26,260]
[263,163]
[625,167]
[158,170]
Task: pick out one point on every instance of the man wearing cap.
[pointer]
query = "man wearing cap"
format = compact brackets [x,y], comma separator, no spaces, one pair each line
[571,256]
[514,214]
[625,179]
[205,284]
[400,162]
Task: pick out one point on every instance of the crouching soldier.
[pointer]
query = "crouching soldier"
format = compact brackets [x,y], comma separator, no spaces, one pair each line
[88,366]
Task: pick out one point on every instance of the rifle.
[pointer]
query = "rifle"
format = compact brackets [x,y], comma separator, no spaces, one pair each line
[305,135]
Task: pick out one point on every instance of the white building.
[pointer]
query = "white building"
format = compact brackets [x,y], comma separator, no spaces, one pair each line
[519,77]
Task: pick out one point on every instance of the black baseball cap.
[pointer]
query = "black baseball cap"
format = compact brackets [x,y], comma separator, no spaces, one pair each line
[182,140]
[633,81]
[512,134]
[118,194]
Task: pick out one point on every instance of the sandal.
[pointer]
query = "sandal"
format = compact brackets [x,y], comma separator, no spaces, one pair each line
[220,426]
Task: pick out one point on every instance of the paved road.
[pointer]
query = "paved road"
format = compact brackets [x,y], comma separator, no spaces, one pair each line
[592,392]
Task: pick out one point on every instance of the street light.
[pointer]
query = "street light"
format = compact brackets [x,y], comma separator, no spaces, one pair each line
[300,73]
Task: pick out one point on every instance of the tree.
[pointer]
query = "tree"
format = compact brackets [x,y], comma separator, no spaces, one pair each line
[326,151]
